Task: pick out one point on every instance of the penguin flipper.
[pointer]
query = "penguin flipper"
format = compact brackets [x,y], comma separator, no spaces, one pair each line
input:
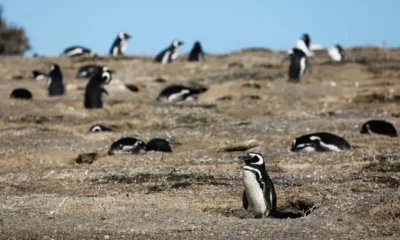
[245,200]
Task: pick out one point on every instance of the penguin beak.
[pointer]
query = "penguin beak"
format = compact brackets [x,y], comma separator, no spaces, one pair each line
[245,158]
[180,43]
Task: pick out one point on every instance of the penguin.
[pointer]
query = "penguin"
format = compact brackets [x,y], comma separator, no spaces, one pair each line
[196,54]
[78,51]
[94,88]
[336,53]
[37,75]
[86,71]
[379,127]
[120,44]
[320,142]
[21,93]
[259,191]
[99,128]
[299,64]
[169,54]
[158,145]
[127,145]
[55,84]
[304,44]
[174,93]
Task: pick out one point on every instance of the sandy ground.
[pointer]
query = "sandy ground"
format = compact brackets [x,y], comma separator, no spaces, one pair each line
[195,192]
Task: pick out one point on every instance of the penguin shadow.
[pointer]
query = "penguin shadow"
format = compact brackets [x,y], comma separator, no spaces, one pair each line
[292,210]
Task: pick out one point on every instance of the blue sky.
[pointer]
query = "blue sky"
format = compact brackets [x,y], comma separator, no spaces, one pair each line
[222,26]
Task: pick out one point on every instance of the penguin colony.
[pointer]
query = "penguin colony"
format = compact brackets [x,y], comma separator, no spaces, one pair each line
[259,194]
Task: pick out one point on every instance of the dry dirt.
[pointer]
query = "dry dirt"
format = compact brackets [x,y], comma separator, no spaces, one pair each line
[195,192]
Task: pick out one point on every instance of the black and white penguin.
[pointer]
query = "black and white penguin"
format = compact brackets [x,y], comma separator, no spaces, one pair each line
[99,128]
[55,84]
[176,93]
[169,54]
[158,145]
[94,88]
[37,75]
[259,191]
[196,54]
[21,93]
[127,145]
[304,44]
[78,51]
[120,44]
[320,142]
[299,64]
[87,71]
[379,127]
[336,53]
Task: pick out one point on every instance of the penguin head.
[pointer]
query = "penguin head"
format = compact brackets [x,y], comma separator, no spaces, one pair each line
[197,45]
[106,75]
[54,67]
[127,145]
[306,39]
[365,129]
[124,36]
[253,159]
[177,43]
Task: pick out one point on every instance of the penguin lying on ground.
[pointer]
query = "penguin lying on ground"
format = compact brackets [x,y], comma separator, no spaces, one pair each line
[169,54]
[135,146]
[88,71]
[37,75]
[78,51]
[174,93]
[21,93]
[320,142]
[379,127]
[259,191]
[94,88]
[99,128]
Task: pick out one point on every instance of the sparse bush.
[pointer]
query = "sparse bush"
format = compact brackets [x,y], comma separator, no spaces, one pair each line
[13,40]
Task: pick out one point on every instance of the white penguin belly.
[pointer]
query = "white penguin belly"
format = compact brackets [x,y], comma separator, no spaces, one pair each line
[254,194]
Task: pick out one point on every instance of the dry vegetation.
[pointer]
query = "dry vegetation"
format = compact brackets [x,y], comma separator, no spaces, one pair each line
[56,181]
[13,40]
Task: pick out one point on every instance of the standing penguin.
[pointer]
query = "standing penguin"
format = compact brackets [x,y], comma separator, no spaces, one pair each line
[55,84]
[120,44]
[299,63]
[94,88]
[169,54]
[336,53]
[197,54]
[259,191]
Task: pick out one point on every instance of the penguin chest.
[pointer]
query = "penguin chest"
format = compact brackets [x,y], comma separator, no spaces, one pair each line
[254,193]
